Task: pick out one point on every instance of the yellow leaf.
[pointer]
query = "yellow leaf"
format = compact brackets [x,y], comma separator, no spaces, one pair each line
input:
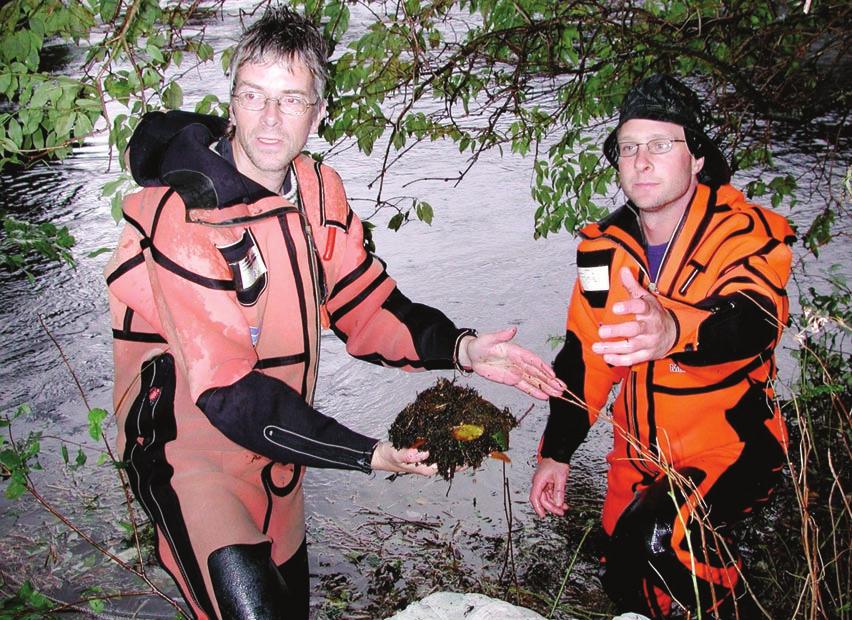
[467,432]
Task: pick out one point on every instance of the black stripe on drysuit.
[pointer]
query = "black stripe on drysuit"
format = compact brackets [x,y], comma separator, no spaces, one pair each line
[271,489]
[127,332]
[353,275]
[730,380]
[356,301]
[164,261]
[432,333]
[697,235]
[126,266]
[149,427]
[290,244]
[281,360]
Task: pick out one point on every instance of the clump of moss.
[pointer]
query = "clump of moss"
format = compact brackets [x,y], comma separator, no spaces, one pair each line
[455,424]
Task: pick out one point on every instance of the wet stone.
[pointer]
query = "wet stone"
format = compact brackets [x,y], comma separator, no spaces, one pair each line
[456,425]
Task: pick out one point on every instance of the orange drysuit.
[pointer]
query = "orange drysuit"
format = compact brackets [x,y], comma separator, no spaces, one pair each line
[218,292]
[697,434]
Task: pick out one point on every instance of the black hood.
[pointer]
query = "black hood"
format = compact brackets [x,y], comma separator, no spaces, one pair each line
[173,149]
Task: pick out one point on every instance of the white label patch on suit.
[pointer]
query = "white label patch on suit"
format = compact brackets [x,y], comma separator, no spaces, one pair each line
[251,267]
[594,279]
[248,270]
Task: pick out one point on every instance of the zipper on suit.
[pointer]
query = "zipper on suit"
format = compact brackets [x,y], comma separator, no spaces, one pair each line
[318,296]
[652,282]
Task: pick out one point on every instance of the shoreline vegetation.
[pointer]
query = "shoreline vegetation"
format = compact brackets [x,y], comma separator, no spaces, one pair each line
[535,78]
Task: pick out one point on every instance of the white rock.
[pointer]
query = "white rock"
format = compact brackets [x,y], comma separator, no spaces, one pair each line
[458,606]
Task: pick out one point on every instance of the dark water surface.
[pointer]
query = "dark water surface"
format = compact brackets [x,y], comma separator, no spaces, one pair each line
[478,262]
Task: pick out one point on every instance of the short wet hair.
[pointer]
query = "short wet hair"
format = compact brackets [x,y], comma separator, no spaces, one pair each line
[282,35]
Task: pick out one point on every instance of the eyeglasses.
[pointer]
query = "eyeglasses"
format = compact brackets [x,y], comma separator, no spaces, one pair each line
[292,105]
[655,147]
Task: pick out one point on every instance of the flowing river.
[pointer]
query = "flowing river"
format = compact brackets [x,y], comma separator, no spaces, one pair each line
[478,262]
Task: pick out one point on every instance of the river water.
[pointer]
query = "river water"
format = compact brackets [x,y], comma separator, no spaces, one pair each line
[478,262]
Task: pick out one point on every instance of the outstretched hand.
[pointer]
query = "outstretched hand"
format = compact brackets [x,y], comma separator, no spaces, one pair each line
[547,494]
[649,336]
[403,460]
[492,356]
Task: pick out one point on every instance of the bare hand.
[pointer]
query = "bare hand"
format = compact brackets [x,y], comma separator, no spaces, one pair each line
[492,356]
[404,460]
[547,494]
[650,336]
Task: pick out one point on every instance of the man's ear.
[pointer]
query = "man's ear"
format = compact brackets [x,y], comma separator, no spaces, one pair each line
[318,116]
[697,165]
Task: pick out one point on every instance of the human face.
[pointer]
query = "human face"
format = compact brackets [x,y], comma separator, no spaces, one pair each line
[266,141]
[657,184]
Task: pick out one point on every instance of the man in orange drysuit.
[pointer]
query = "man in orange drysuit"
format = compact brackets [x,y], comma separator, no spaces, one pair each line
[680,301]
[235,254]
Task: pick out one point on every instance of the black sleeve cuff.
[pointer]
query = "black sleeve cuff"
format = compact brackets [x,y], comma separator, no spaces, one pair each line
[568,422]
[266,416]
[566,429]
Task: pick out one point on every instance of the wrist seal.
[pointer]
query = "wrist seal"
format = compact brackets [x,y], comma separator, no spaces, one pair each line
[466,331]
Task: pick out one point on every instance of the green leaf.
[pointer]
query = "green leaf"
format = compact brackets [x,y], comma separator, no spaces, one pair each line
[110,187]
[501,440]
[150,77]
[98,252]
[155,53]
[116,207]
[118,87]
[15,133]
[225,60]
[108,9]
[204,52]
[44,93]
[173,96]
[424,212]
[96,418]
[398,140]
[64,125]
[10,459]
[207,105]
[396,221]
[82,126]
[15,488]
[34,599]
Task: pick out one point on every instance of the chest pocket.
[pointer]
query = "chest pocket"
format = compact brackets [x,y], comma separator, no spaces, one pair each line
[248,269]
